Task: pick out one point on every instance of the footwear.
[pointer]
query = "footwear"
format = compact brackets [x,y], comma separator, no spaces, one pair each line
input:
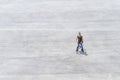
[82,50]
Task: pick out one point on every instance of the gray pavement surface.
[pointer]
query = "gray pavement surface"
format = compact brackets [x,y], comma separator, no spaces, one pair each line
[38,39]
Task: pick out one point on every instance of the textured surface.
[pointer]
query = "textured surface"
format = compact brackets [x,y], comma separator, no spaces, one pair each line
[37,39]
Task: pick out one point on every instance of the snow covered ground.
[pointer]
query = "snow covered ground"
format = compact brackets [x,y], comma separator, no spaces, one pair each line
[38,39]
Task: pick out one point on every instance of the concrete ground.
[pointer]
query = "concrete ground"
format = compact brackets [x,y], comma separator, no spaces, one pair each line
[38,40]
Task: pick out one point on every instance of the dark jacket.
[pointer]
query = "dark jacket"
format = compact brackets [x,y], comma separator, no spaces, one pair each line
[80,38]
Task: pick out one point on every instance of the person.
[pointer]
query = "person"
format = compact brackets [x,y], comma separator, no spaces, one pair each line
[79,40]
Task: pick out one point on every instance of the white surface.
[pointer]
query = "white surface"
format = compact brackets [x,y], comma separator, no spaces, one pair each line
[37,39]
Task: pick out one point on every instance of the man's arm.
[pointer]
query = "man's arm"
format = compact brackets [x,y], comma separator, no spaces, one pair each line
[76,38]
[82,39]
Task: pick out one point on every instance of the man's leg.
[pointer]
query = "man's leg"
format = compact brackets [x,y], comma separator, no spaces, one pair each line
[82,47]
[77,47]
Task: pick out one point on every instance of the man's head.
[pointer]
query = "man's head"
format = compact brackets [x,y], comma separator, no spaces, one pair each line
[79,33]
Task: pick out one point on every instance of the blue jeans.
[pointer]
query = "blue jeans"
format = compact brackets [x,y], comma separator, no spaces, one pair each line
[80,46]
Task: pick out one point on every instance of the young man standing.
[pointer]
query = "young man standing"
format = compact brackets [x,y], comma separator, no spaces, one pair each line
[79,40]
